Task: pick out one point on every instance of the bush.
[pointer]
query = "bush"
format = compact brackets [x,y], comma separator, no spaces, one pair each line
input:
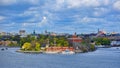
[26,46]
[102,41]
[92,47]
[37,47]
[12,44]
[29,46]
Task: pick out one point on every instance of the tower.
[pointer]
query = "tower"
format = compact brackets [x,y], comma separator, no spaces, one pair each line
[34,32]
[98,30]
[45,31]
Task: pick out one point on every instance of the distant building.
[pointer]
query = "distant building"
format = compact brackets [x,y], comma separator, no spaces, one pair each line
[34,34]
[59,49]
[22,32]
[75,41]
[3,33]
[100,33]
[115,43]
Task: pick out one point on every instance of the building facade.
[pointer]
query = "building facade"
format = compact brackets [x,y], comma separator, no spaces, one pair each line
[75,41]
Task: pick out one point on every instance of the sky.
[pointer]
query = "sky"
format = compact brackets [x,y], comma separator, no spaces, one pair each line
[62,16]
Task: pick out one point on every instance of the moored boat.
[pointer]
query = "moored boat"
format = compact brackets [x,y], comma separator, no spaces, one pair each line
[67,52]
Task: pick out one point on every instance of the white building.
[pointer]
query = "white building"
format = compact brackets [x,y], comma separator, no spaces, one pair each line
[115,43]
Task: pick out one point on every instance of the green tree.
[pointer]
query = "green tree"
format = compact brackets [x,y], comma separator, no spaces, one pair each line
[27,46]
[102,41]
[37,47]
[92,47]
[105,41]
[66,43]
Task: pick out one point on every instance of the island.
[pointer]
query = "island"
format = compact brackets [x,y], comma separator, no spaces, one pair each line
[56,44]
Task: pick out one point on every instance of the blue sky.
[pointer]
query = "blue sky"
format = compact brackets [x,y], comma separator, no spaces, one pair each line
[63,16]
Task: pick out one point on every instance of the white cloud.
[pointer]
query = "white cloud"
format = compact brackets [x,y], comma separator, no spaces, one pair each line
[82,3]
[2,18]
[7,2]
[44,18]
[10,2]
[100,11]
[10,24]
[66,4]
[59,4]
[89,20]
[32,1]
[43,22]
[116,5]
[28,13]
[39,17]
[25,24]
[106,2]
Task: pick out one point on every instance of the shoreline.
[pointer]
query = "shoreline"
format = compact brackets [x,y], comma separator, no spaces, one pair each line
[45,52]
[29,51]
[53,52]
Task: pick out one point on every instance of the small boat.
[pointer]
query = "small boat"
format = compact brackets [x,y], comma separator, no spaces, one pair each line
[2,49]
[68,52]
[51,52]
[6,48]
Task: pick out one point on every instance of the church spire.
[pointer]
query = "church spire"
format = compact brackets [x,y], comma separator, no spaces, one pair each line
[34,32]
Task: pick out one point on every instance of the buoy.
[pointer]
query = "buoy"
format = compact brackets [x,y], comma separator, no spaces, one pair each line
[2,49]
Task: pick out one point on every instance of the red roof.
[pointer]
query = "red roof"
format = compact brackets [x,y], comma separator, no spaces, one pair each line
[75,39]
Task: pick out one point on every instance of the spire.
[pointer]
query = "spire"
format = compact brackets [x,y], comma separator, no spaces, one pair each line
[74,36]
[75,33]
[45,31]
[34,32]
[98,30]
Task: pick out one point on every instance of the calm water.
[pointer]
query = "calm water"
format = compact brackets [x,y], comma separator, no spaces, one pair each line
[101,58]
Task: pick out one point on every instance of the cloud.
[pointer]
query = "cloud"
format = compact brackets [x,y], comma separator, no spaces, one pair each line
[116,5]
[26,24]
[38,24]
[82,3]
[29,13]
[38,15]
[89,20]
[7,2]
[101,11]
[113,18]
[60,15]
[68,4]
[11,2]
[10,24]
[59,4]
[106,2]
[2,18]
[43,22]
[32,1]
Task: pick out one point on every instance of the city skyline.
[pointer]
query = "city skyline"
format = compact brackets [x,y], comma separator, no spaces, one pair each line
[62,16]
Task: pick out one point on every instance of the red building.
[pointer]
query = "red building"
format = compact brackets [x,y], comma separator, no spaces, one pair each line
[75,41]
[59,49]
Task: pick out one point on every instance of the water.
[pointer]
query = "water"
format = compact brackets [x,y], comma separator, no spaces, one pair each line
[101,58]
